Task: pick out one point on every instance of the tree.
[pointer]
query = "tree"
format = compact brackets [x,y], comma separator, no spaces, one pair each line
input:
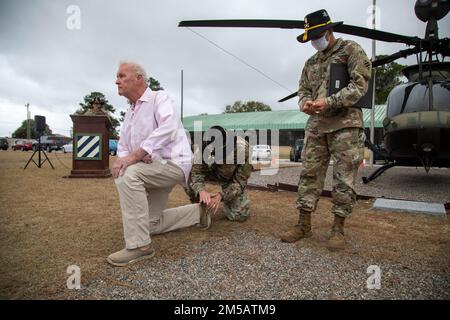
[106,106]
[122,116]
[250,106]
[152,84]
[21,132]
[387,77]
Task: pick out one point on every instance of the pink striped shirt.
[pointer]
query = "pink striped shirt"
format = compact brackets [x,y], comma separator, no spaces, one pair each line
[153,125]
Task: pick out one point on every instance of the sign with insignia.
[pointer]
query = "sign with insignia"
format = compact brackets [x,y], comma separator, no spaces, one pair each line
[88,146]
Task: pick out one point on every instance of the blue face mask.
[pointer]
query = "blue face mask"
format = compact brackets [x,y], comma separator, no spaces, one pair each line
[320,44]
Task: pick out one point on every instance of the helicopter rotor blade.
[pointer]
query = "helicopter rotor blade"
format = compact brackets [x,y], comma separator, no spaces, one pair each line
[442,47]
[376,34]
[299,24]
[248,23]
[292,95]
[395,56]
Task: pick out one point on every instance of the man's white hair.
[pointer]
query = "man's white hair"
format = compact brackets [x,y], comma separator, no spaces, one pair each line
[136,67]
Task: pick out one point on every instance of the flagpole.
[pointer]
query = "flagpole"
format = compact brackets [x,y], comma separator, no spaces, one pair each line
[372,110]
[181,95]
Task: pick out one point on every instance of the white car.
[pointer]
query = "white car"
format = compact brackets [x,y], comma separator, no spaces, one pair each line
[261,152]
[67,148]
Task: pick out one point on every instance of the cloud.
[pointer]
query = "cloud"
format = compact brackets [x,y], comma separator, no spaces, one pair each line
[51,67]
[12,114]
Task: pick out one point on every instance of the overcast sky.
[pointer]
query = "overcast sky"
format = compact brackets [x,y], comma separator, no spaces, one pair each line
[51,66]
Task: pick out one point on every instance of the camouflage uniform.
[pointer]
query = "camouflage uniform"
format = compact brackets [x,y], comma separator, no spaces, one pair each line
[232,176]
[337,133]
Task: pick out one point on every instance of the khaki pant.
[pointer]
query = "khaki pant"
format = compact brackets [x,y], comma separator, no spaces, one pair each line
[143,192]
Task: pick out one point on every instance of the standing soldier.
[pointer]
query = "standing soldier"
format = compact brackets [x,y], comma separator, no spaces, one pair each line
[230,167]
[334,129]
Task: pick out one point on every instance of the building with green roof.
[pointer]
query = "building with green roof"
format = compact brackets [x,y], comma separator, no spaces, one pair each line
[290,123]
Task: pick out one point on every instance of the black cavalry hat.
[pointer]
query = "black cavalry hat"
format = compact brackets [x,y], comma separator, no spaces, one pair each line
[315,24]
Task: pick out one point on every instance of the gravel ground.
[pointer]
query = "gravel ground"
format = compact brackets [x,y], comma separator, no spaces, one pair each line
[236,267]
[405,183]
[229,261]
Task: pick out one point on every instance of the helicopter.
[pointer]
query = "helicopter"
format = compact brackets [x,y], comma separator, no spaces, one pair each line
[417,122]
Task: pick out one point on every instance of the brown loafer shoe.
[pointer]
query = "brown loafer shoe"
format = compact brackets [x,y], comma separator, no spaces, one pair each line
[127,257]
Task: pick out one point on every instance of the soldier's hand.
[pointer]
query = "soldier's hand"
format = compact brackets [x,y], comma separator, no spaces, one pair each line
[308,107]
[215,202]
[319,105]
[205,197]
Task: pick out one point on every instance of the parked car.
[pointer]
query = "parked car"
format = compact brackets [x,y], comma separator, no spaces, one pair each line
[296,150]
[52,142]
[4,144]
[22,144]
[67,147]
[113,147]
[261,152]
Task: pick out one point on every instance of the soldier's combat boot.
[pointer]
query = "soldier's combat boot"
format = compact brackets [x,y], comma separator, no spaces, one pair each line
[300,230]
[336,240]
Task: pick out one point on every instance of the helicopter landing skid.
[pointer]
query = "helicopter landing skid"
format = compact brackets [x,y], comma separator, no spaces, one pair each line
[378,172]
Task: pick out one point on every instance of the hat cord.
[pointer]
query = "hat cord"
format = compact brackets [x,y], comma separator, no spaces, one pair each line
[305,35]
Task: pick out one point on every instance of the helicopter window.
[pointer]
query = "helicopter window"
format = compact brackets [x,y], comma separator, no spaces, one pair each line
[418,98]
[441,94]
[395,100]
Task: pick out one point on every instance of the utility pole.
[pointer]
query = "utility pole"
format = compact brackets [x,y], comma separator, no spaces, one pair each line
[28,121]
[372,110]
[181,95]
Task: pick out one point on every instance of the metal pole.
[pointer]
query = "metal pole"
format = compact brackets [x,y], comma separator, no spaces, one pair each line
[39,152]
[181,95]
[28,121]
[372,110]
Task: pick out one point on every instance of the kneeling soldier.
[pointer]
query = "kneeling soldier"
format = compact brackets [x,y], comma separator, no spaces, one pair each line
[230,167]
